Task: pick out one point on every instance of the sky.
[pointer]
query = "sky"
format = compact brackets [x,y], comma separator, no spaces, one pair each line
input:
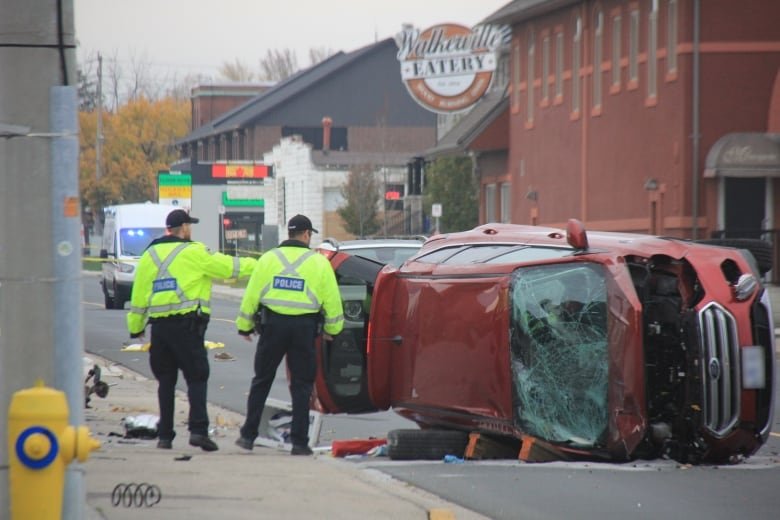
[198,36]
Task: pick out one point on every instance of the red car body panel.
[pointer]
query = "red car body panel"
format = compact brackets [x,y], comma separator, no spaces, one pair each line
[436,341]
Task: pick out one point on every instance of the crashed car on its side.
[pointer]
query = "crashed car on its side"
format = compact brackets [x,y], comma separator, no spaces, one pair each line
[601,345]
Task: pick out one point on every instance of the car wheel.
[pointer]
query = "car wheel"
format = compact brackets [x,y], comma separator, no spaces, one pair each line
[426,444]
[107,300]
[119,299]
[760,249]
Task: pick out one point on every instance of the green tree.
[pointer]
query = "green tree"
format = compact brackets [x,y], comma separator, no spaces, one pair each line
[449,181]
[361,193]
[138,141]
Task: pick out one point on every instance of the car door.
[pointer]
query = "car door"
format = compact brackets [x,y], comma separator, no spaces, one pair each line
[342,383]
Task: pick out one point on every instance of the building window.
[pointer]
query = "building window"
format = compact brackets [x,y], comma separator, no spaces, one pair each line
[633,48]
[490,203]
[559,66]
[516,77]
[598,45]
[616,35]
[530,115]
[671,38]
[506,203]
[575,66]
[502,72]
[652,51]
[545,69]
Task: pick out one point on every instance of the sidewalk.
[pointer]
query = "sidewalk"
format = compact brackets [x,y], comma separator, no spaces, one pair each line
[230,483]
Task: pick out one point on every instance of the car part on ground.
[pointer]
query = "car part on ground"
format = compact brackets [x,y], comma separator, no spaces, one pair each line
[433,444]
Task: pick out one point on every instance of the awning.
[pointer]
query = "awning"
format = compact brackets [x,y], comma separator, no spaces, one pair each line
[744,155]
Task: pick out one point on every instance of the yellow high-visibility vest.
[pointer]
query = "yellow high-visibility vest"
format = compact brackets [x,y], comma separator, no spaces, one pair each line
[175,276]
[293,280]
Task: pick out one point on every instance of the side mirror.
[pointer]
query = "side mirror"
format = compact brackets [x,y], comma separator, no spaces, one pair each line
[576,235]
[103,253]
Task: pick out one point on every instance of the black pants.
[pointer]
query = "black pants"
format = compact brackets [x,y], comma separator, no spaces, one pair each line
[294,336]
[177,344]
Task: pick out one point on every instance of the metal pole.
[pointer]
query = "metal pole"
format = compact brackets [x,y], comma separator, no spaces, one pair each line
[66,312]
[695,123]
[99,136]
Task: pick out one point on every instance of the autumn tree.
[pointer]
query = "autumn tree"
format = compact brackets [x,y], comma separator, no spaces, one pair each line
[361,196]
[449,181]
[138,142]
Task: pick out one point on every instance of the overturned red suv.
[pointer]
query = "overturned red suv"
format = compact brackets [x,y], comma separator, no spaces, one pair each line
[605,346]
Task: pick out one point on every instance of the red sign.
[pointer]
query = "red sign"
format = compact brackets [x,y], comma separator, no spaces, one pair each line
[392,195]
[239,171]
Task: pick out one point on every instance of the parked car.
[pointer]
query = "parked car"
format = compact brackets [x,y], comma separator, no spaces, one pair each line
[596,345]
[393,251]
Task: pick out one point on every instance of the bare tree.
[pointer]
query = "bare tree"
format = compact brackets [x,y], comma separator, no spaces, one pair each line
[113,80]
[318,54]
[278,65]
[361,196]
[236,71]
[180,87]
[140,83]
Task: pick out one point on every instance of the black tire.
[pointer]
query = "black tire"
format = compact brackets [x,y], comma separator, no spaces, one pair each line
[760,249]
[425,444]
[119,297]
[108,301]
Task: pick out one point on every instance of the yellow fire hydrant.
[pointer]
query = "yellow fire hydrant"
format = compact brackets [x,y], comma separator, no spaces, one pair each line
[40,445]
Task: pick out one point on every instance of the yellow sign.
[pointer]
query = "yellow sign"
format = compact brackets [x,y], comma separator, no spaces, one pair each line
[175,192]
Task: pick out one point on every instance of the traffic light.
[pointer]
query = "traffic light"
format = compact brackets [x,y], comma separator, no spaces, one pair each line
[226,223]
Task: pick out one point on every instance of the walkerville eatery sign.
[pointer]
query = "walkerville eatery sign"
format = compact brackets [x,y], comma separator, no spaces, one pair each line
[447,68]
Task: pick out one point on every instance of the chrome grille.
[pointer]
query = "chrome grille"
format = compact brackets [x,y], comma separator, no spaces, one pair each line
[720,369]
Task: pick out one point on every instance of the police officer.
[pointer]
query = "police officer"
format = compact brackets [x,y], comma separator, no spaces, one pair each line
[294,287]
[172,291]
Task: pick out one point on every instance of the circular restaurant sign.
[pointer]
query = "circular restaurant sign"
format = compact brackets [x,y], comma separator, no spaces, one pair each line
[447,68]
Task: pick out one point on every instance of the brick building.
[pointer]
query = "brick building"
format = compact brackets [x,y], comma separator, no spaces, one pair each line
[657,116]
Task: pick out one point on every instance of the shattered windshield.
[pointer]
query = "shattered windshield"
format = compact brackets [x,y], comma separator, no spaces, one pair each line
[559,352]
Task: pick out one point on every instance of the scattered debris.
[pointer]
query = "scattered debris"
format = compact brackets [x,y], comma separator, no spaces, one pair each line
[141,426]
[224,356]
[482,446]
[98,387]
[343,448]
[144,347]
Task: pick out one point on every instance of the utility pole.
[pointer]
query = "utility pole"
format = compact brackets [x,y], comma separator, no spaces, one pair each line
[99,137]
[41,321]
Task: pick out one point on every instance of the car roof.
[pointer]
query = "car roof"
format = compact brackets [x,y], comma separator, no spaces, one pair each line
[375,242]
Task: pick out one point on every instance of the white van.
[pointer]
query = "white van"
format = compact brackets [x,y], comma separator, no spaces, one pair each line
[127,232]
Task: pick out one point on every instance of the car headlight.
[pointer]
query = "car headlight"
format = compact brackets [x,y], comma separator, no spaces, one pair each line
[353,310]
[745,287]
[125,268]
